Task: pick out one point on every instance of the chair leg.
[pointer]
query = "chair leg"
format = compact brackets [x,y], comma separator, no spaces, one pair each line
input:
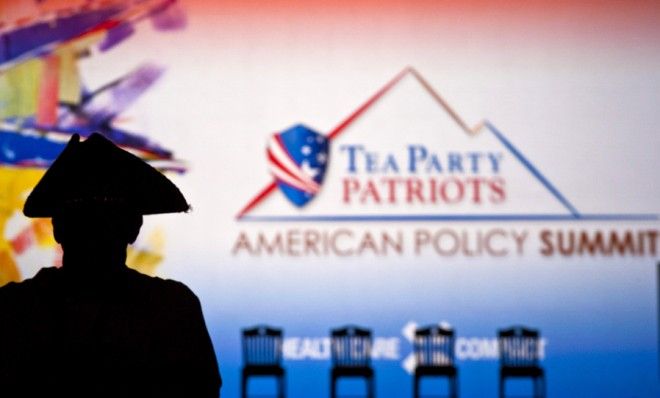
[244,380]
[370,386]
[281,391]
[453,387]
[545,387]
[333,387]
[502,381]
[539,387]
[416,387]
[543,392]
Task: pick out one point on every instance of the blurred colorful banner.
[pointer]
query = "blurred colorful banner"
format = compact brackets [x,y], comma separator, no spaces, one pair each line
[43,101]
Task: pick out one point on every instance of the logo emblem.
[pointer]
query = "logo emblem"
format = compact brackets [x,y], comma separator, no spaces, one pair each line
[297,158]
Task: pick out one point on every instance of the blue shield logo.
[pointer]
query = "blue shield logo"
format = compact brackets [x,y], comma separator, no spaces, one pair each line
[297,158]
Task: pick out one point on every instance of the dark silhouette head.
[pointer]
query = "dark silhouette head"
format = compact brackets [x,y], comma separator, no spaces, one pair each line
[97,237]
[96,194]
[96,328]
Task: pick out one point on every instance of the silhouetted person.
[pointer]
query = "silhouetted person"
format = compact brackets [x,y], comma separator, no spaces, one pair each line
[95,327]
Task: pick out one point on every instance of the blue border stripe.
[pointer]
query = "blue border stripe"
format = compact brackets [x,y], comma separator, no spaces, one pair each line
[457,217]
[533,170]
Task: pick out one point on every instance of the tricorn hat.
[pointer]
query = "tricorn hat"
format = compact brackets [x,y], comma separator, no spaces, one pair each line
[97,174]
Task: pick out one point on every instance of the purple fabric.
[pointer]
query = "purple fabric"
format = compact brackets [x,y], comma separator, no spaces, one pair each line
[114,99]
[172,17]
[18,42]
[116,35]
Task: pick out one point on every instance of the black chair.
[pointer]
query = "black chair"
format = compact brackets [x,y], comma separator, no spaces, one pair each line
[519,357]
[262,356]
[351,357]
[434,357]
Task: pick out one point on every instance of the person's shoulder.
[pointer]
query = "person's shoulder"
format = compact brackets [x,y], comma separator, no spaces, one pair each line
[9,290]
[45,275]
[157,282]
[164,287]
[16,294]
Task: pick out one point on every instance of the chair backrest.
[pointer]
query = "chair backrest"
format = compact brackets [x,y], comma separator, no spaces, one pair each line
[351,346]
[519,347]
[434,346]
[262,345]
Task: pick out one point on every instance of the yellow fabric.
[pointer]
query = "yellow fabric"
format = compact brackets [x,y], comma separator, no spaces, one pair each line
[69,88]
[15,184]
[8,270]
[69,78]
[43,231]
[143,261]
[19,89]
[147,260]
